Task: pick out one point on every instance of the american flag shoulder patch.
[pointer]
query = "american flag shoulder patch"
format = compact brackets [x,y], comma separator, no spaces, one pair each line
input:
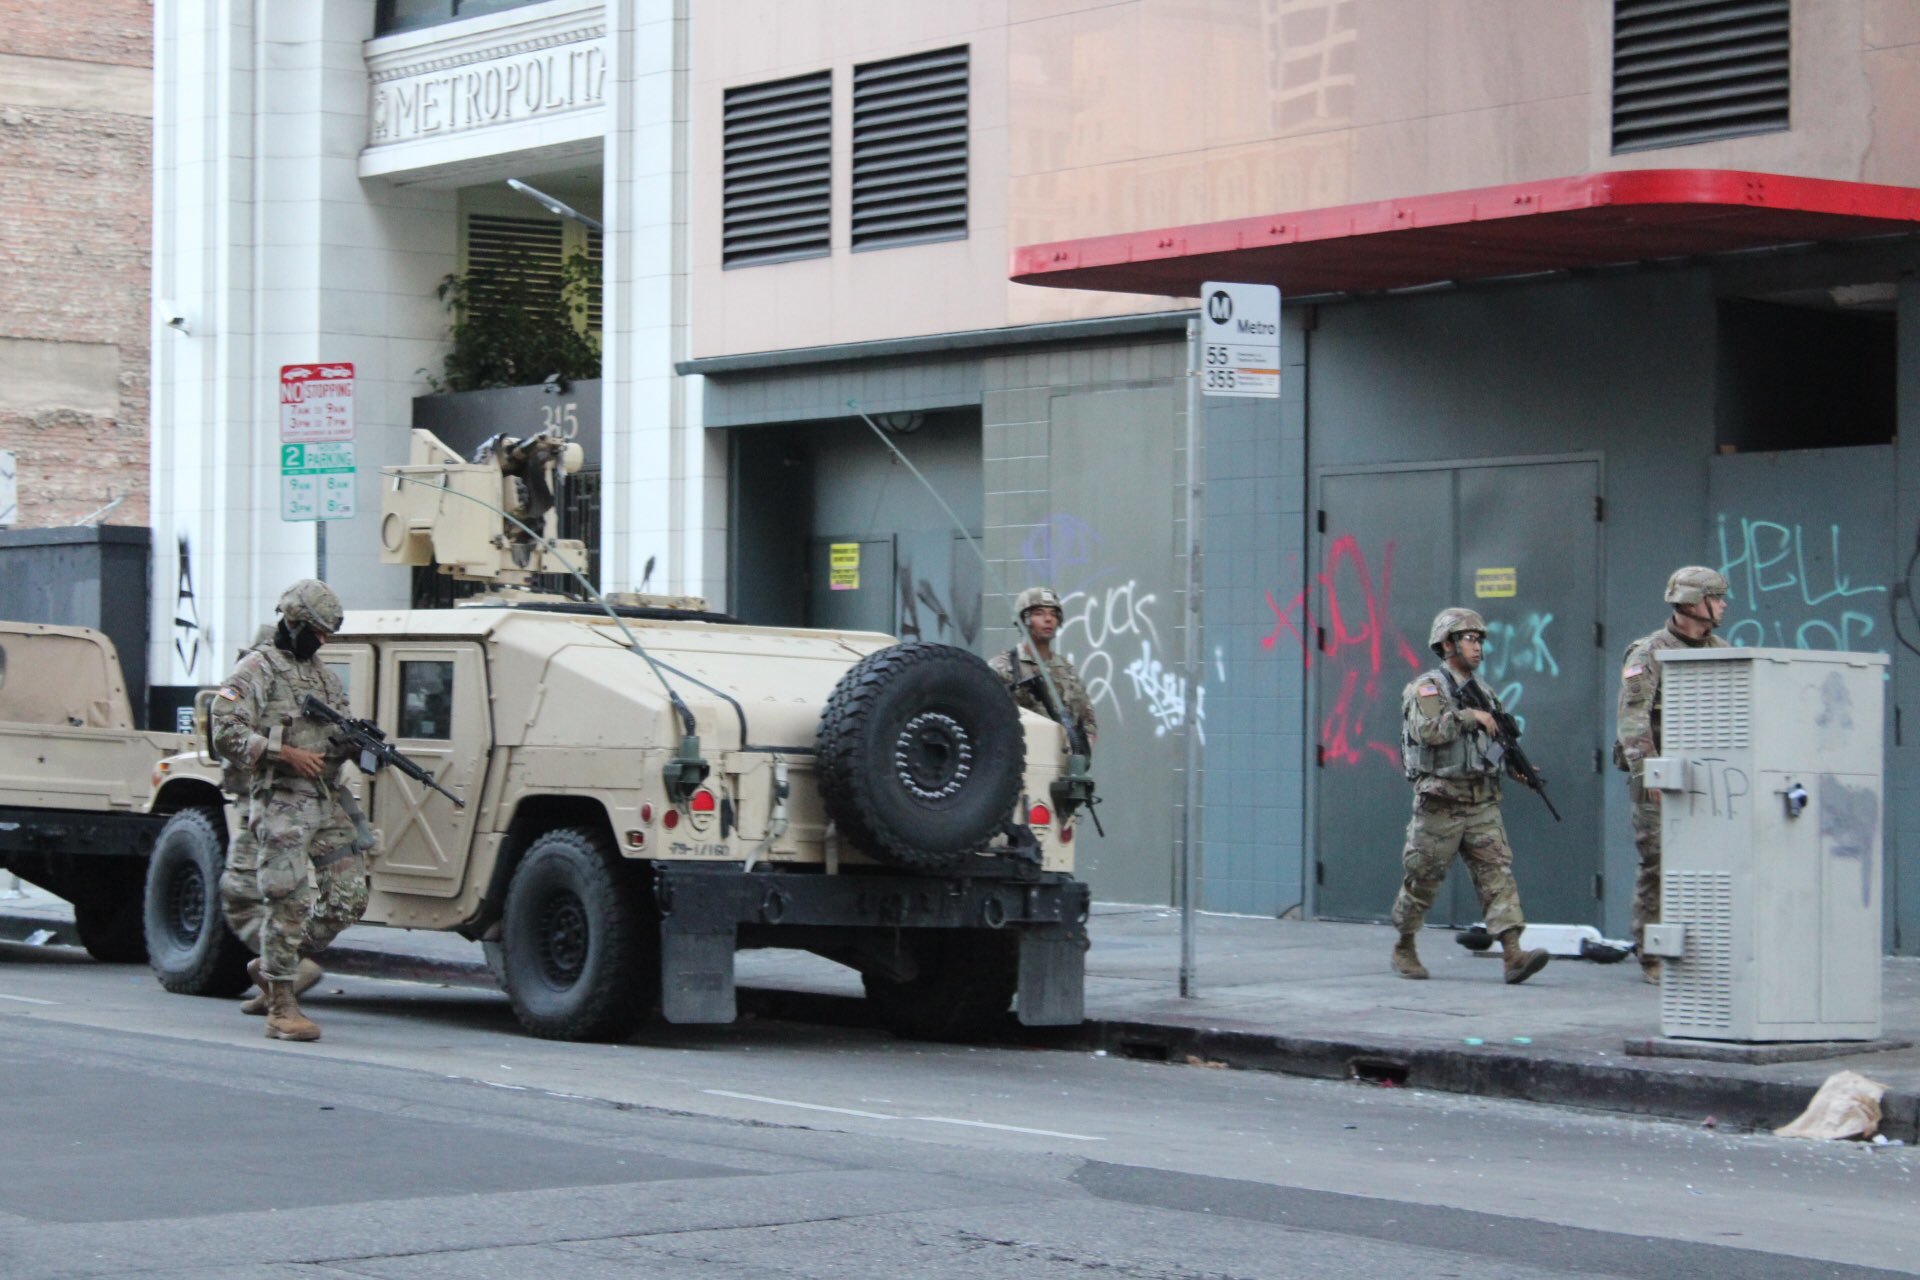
[1634,671]
[228,692]
[1428,691]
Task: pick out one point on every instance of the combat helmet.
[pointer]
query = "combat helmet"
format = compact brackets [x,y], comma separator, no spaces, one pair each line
[1694,584]
[1035,598]
[1449,621]
[313,602]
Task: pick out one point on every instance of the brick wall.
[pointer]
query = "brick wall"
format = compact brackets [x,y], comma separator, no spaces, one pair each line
[75,236]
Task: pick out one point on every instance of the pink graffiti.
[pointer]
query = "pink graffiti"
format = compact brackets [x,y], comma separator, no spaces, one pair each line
[1355,637]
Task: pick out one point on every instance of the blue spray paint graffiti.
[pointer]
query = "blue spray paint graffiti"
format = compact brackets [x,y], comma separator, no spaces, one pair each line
[1109,629]
[1514,651]
[1793,589]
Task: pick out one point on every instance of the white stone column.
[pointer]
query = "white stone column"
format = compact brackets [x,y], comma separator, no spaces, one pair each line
[653,496]
[273,251]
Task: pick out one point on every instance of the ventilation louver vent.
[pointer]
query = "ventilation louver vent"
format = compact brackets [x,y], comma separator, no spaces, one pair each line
[1695,70]
[776,176]
[910,150]
[1706,706]
[1697,991]
[534,247]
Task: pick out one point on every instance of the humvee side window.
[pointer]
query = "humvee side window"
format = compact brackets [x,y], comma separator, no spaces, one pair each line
[426,699]
[345,673]
[3,666]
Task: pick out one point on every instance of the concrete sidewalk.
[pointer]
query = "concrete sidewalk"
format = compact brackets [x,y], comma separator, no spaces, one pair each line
[1307,998]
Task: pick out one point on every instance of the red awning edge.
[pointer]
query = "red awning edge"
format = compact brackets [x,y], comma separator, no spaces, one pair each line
[1590,220]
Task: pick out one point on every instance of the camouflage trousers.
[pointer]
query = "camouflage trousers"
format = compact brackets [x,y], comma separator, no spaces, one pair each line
[292,880]
[1441,828]
[1645,807]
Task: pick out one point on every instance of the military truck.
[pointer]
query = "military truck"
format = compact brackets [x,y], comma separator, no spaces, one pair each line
[76,781]
[650,786]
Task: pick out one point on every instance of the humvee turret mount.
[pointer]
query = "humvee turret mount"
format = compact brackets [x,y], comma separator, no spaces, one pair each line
[651,786]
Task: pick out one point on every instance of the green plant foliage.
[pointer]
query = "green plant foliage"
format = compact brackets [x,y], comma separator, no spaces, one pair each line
[514,326]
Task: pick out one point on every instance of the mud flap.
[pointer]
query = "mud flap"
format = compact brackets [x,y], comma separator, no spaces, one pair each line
[1053,980]
[696,976]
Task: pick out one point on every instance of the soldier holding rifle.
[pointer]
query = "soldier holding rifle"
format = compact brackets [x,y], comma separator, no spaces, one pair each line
[1454,759]
[296,874]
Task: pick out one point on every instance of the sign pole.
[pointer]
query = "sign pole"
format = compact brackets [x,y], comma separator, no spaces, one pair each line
[1233,351]
[1190,808]
[320,549]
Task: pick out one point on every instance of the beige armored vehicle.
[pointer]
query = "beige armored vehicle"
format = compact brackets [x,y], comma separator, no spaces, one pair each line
[650,787]
[76,779]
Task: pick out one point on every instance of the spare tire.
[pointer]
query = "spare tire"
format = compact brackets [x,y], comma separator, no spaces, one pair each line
[921,755]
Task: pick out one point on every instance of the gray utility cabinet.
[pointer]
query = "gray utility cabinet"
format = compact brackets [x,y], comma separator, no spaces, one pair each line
[1771,782]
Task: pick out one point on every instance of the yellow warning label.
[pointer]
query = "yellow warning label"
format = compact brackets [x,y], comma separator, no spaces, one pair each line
[1495,584]
[843,566]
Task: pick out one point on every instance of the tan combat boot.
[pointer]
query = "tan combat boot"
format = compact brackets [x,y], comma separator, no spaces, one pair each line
[284,1019]
[1520,964]
[1650,969]
[305,978]
[1406,960]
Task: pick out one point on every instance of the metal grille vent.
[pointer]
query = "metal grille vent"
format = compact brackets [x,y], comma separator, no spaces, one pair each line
[529,250]
[910,150]
[776,184]
[1698,991]
[1695,70]
[1706,706]
[537,246]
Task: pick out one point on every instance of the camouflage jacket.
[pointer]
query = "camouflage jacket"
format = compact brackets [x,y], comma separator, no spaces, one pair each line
[257,711]
[1066,682]
[1444,748]
[1638,732]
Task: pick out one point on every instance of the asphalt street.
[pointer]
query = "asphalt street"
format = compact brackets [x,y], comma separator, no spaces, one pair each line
[161,1136]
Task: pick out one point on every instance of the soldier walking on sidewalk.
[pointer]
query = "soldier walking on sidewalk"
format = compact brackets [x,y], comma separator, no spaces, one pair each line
[1455,765]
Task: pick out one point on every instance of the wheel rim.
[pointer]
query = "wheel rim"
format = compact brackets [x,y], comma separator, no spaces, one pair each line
[186,904]
[563,940]
[933,755]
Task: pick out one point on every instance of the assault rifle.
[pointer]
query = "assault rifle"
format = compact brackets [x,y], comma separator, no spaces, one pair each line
[370,743]
[1506,733]
[1074,788]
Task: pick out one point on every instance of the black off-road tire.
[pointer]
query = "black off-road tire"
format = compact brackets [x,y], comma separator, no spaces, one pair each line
[579,941]
[189,946]
[113,925]
[962,992]
[921,755]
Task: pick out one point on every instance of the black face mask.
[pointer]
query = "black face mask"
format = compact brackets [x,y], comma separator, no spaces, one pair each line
[298,639]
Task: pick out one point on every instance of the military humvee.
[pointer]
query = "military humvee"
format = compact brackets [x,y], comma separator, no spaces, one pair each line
[651,786]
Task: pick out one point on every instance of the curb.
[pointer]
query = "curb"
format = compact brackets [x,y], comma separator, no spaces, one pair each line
[1672,1092]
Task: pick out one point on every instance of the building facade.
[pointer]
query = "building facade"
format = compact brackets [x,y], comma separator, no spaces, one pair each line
[76,103]
[1573,294]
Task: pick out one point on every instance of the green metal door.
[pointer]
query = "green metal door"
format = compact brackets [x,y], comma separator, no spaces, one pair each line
[1519,542]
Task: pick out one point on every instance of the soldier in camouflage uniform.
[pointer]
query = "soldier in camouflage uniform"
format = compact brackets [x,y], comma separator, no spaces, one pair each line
[1699,599]
[1040,617]
[297,873]
[1455,766]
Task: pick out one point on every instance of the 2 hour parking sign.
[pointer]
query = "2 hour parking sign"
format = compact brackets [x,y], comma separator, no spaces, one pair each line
[1239,339]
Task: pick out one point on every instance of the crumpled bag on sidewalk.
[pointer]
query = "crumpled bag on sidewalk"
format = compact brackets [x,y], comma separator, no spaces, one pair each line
[1847,1105]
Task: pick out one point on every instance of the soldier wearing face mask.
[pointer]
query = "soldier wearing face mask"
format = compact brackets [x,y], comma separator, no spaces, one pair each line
[296,874]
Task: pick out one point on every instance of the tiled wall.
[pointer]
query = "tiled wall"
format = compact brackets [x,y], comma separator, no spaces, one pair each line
[1256,715]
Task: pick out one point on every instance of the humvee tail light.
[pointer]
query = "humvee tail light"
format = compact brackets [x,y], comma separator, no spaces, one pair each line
[670,819]
[1066,835]
[703,801]
[646,813]
[1039,816]
[636,839]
